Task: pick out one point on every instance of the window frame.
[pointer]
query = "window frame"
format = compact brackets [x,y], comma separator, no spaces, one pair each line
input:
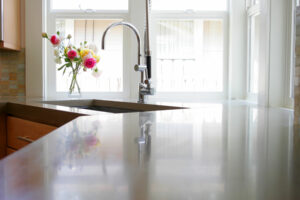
[193,96]
[291,59]
[50,6]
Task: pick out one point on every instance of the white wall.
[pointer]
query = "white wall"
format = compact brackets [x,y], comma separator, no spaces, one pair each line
[237,50]
[34,47]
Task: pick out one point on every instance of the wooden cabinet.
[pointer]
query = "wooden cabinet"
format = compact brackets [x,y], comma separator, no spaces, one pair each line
[10,151]
[21,124]
[2,134]
[10,24]
[21,132]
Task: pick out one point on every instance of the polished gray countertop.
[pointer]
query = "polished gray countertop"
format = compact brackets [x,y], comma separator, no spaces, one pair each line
[219,151]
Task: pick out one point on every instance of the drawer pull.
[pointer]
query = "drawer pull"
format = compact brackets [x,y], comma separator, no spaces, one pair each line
[25,139]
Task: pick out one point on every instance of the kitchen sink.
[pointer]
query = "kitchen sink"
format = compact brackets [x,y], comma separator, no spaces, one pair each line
[111,106]
[106,109]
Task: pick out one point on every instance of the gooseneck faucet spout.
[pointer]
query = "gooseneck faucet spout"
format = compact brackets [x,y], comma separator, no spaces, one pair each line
[145,86]
[133,28]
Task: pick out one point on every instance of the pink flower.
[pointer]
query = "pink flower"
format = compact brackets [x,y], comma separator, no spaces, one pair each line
[90,62]
[55,40]
[91,140]
[72,54]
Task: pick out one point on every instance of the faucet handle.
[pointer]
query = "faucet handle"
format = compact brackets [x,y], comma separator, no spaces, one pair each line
[140,68]
[148,81]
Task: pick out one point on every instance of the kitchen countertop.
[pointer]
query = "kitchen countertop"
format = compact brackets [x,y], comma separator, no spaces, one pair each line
[212,151]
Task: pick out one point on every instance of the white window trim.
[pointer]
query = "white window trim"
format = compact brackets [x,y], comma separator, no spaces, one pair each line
[253,10]
[275,78]
[291,59]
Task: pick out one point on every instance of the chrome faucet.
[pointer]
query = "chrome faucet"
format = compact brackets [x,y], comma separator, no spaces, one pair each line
[145,86]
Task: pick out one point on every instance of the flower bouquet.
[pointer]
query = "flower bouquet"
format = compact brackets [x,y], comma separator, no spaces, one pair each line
[73,59]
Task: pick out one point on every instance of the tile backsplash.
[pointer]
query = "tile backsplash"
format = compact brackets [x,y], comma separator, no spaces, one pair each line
[12,73]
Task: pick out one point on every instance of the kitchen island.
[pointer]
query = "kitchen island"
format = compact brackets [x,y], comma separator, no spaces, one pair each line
[211,151]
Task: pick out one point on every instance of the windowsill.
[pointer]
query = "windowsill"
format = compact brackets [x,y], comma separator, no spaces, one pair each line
[189,96]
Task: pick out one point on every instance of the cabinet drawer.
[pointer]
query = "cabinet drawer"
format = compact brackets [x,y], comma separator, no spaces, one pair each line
[21,132]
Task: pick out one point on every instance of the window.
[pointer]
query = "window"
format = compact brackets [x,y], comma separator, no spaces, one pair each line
[192,50]
[188,42]
[86,20]
[190,46]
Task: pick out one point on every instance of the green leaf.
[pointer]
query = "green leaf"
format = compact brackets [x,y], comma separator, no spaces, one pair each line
[58,32]
[68,64]
[64,71]
[67,60]
[61,67]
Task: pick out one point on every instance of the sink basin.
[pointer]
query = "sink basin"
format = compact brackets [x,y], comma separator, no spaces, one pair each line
[111,106]
[106,109]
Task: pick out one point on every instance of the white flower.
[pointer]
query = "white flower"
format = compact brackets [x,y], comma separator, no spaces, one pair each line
[56,52]
[70,46]
[58,60]
[93,47]
[97,73]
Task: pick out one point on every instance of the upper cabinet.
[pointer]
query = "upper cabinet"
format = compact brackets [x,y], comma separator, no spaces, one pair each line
[10,27]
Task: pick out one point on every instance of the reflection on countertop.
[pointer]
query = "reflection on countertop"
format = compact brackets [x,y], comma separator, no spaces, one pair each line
[215,151]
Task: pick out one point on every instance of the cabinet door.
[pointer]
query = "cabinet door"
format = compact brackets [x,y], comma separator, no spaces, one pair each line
[11,25]
[22,132]
[2,134]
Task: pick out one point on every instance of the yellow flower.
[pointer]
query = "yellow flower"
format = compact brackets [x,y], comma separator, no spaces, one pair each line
[85,52]
[97,58]
[66,50]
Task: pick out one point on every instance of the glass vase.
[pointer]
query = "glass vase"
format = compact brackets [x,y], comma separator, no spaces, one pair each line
[74,89]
